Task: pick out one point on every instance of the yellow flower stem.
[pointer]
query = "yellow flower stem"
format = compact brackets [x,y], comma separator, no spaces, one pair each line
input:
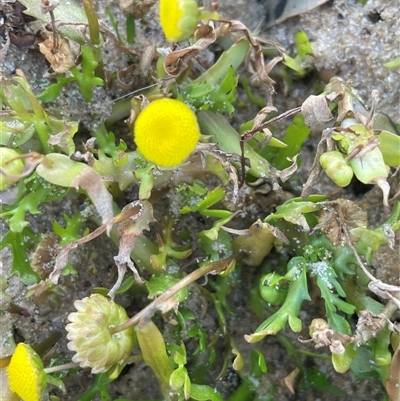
[153,307]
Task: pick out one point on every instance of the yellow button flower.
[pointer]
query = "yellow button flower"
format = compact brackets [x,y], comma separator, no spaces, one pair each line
[178,18]
[166,132]
[26,376]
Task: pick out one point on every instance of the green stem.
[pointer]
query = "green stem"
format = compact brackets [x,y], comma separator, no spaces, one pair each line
[291,350]
[314,355]
[94,32]
[149,310]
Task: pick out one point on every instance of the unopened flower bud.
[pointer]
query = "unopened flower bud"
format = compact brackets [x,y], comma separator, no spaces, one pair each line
[91,335]
[336,167]
[11,168]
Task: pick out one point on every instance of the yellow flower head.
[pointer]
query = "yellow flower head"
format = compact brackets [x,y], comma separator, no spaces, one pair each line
[166,132]
[178,18]
[25,372]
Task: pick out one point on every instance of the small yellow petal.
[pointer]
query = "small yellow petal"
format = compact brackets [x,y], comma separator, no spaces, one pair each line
[25,372]
[166,132]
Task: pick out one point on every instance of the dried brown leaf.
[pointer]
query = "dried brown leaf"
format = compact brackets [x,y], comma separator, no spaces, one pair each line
[315,110]
[93,184]
[178,61]
[316,166]
[331,222]
[140,216]
[385,291]
[62,257]
[345,105]
[285,174]
[256,58]
[289,381]
[44,256]
[226,160]
[59,57]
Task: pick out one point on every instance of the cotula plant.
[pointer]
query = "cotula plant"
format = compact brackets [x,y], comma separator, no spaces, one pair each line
[187,151]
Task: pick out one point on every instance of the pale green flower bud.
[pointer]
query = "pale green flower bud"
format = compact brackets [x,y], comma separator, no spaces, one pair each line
[91,335]
[10,168]
[336,167]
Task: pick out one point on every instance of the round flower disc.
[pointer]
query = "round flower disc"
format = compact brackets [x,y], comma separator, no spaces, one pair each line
[166,132]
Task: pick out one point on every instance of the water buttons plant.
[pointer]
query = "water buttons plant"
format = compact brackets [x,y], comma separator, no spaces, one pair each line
[179,18]
[166,132]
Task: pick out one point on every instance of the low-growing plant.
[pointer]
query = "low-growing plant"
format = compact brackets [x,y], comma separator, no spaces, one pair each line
[188,160]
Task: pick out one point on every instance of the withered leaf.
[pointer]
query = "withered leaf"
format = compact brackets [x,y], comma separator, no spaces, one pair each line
[315,111]
[129,229]
[331,223]
[289,381]
[93,184]
[59,57]
[255,247]
[178,61]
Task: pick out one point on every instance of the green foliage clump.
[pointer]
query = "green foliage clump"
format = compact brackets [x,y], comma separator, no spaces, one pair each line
[201,219]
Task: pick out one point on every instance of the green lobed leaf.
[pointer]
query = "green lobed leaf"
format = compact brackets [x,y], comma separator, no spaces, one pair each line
[37,191]
[19,246]
[297,293]
[52,92]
